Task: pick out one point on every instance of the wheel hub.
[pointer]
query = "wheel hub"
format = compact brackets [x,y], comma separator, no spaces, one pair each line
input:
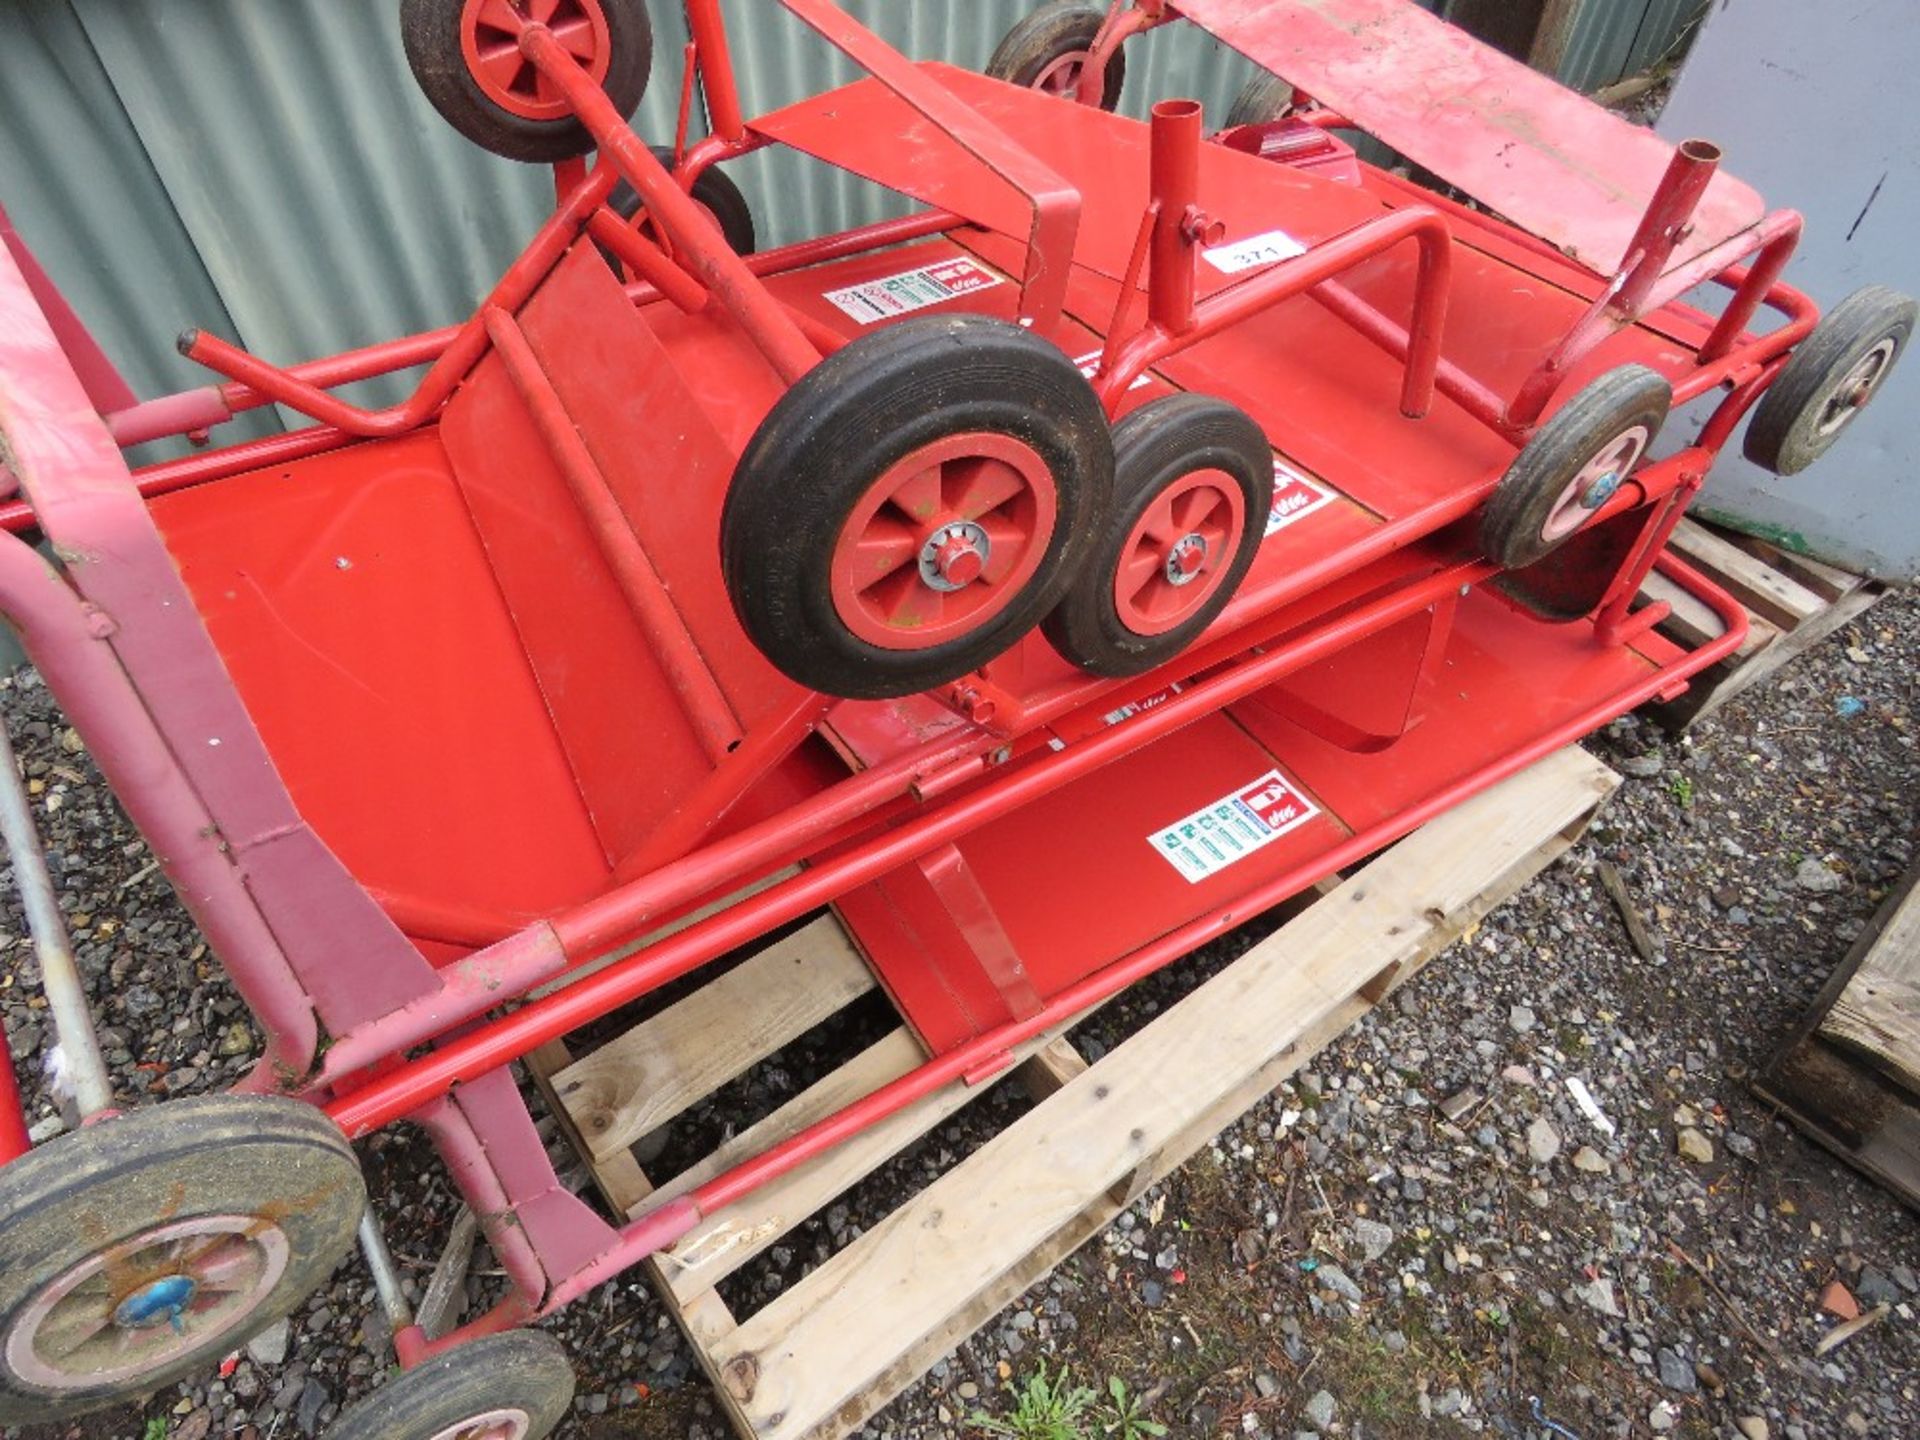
[159,1301]
[954,556]
[1601,490]
[1186,558]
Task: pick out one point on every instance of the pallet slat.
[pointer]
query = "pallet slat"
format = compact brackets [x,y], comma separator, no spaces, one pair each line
[658,1068]
[1792,604]
[1847,1101]
[1877,1013]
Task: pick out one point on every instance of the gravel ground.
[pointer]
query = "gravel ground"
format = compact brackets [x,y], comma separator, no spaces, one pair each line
[1416,1236]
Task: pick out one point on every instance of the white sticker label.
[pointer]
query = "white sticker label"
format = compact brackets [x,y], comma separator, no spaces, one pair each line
[1232,828]
[1133,708]
[912,290]
[1089,363]
[1294,497]
[1262,249]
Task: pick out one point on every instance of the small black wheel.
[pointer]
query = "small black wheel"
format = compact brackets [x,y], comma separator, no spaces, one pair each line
[1049,49]
[914,504]
[1192,484]
[713,191]
[144,1247]
[1831,376]
[465,55]
[1265,97]
[1573,464]
[512,1386]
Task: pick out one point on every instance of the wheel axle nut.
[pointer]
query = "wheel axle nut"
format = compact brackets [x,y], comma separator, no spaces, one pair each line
[954,555]
[1186,559]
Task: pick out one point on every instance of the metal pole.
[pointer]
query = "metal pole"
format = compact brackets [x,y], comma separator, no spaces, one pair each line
[59,976]
[386,1275]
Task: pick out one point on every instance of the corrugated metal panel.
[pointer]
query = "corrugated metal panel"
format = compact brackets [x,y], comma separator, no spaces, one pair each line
[76,181]
[1612,39]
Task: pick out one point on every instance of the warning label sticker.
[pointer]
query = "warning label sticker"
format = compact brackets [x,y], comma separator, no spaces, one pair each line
[912,290]
[1233,827]
[1294,497]
[1255,250]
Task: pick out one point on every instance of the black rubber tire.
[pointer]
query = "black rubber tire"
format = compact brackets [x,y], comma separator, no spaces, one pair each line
[526,1370]
[430,33]
[1784,435]
[712,189]
[1265,97]
[839,429]
[67,1201]
[1152,448]
[1604,409]
[1058,28]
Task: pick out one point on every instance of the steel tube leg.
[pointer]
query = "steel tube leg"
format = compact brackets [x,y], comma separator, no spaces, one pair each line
[85,1071]
[386,1275]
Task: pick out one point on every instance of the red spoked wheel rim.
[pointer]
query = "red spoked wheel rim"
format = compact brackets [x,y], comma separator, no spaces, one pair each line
[1179,551]
[490,41]
[1061,75]
[1595,483]
[943,541]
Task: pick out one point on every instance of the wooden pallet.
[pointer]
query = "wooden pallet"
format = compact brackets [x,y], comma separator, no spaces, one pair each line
[1792,603]
[830,1351]
[1849,1074]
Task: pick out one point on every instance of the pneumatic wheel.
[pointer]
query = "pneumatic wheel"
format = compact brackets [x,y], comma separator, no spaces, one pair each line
[465,54]
[1049,50]
[143,1247]
[1831,376]
[1573,465]
[914,504]
[512,1386]
[1264,98]
[712,192]
[1192,484]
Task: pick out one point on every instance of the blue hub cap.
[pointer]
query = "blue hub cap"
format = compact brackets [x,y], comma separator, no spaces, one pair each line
[161,1300]
[1601,490]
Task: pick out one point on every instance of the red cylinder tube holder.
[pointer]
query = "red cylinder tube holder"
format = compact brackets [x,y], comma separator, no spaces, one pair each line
[1174,179]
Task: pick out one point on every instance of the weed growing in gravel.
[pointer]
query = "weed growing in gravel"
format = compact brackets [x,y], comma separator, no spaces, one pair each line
[1054,1408]
[1120,1418]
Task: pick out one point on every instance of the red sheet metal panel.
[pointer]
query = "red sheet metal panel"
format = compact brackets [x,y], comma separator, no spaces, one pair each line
[1551,161]
[352,603]
[873,133]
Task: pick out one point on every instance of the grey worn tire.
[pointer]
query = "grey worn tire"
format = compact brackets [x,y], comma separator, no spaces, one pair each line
[70,1201]
[517,1370]
[1513,524]
[1265,97]
[1798,418]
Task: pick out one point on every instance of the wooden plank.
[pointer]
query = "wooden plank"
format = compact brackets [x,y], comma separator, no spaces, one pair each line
[728,1238]
[617,1176]
[1846,1105]
[1051,1068]
[1757,585]
[814,1350]
[654,1071]
[1877,1014]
